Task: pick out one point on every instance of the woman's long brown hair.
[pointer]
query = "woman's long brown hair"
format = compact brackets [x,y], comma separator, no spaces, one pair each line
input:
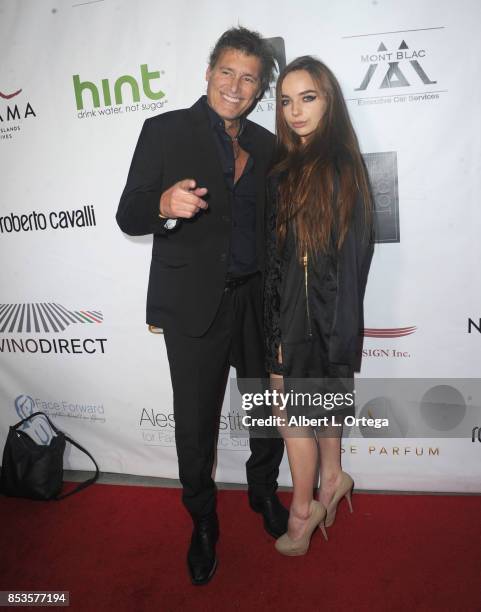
[309,172]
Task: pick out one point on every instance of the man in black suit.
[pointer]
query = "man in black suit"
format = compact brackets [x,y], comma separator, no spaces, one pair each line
[197,183]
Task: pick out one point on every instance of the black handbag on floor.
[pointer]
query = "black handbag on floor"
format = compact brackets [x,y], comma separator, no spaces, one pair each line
[34,470]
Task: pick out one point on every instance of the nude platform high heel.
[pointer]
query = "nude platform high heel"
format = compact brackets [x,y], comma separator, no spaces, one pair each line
[343,490]
[286,546]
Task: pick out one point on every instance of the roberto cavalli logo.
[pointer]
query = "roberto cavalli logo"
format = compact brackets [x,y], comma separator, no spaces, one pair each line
[43,317]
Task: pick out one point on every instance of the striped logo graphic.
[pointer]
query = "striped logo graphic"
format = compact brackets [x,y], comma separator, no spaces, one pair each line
[10,96]
[43,317]
[390,332]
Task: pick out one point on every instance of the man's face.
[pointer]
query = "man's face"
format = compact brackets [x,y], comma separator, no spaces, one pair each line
[233,83]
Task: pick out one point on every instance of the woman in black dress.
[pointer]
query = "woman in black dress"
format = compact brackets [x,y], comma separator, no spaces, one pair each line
[319,249]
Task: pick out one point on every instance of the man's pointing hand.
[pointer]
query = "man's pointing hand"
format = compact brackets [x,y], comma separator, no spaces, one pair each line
[182,200]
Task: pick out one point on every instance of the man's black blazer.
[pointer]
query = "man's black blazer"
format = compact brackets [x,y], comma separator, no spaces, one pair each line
[189,263]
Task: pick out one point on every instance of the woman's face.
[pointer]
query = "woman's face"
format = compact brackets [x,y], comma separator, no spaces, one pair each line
[303,104]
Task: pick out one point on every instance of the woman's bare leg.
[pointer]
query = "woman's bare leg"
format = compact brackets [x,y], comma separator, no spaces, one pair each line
[329,441]
[302,452]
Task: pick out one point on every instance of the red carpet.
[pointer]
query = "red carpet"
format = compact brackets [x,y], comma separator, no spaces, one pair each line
[123,548]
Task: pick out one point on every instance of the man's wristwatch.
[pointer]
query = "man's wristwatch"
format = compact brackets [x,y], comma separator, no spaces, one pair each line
[169,223]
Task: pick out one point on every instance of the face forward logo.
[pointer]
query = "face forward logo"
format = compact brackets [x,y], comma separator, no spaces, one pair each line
[38,428]
[43,317]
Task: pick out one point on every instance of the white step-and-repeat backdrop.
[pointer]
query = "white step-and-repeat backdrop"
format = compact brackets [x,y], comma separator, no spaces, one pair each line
[77,81]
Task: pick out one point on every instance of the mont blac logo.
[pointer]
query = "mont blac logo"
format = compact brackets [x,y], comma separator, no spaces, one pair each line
[48,318]
[13,111]
[108,96]
[397,67]
[391,66]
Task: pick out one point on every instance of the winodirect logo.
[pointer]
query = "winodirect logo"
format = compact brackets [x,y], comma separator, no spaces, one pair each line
[12,113]
[45,317]
[396,67]
[119,95]
[48,317]
[268,101]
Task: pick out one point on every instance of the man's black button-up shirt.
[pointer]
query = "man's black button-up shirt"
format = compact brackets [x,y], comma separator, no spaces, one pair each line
[242,194]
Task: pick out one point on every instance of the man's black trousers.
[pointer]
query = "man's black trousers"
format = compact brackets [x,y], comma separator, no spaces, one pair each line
[199,368]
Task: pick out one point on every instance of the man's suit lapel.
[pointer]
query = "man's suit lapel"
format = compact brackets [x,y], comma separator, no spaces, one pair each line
[260,170]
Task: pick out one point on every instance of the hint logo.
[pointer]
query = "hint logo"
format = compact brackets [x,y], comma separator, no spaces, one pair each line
[102,95]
